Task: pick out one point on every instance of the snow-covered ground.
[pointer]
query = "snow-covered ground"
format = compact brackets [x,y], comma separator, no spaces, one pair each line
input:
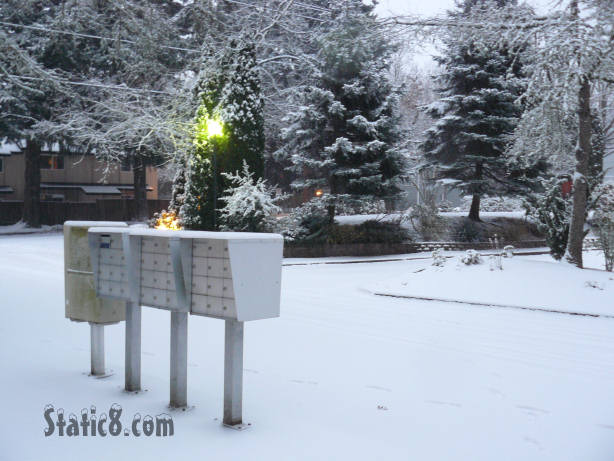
[521,282]
[21,228]
[342,374]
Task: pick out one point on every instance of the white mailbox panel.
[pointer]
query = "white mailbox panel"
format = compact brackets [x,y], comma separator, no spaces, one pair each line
[110,262]
[82,304]
[157,275]
[234,275]
[228,275]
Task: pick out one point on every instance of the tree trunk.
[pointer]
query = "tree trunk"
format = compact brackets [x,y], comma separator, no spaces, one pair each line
[580,184]
[474,211]
[140,189]
[330,209]
[32,190]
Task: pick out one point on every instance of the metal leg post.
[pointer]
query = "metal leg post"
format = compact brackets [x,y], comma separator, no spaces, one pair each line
[97,349]
[179,359]
[133,347]
[233,374]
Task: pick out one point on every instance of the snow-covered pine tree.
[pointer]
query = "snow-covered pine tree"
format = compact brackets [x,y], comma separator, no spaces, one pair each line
[230,101]
[476,112]
[343,134]
[28,87]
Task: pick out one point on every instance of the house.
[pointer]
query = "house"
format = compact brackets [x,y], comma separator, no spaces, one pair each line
[68,176]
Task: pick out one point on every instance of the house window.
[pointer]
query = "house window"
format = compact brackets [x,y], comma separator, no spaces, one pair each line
[1,165]
[125,164]
[52,162]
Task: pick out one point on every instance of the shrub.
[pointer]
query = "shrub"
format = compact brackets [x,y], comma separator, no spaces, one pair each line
[438,258]
[488,203]
[371,231]
[603,220]
[468,230]
[552,212]
[249,204]
[471,257]
[427,222]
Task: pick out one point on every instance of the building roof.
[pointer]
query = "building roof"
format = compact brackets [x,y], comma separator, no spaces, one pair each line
[101,190]
[92,188]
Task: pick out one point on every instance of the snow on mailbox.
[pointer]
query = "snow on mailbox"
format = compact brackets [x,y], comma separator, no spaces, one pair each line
[81,303]
[232,276]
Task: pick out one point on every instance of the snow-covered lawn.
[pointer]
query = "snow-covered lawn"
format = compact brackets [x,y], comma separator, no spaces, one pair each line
[343,374]
[535,284]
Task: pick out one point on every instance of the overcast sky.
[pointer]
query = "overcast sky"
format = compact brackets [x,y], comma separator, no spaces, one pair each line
[422,57]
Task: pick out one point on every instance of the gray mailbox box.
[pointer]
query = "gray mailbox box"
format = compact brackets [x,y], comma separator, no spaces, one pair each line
[232,276]
[81,302]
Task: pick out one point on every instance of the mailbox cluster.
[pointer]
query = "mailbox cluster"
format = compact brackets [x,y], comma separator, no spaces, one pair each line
[231,276]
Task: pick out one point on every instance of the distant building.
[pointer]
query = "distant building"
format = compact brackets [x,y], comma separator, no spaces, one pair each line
[69,177]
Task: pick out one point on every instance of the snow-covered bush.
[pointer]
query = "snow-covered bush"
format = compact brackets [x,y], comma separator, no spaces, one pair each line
[347,206]
[603,220]
[508,251]
[438,258]
[306,222]
[488,203]
[471,257]
[552,213]
[496,261]
[427,222]
[250,205]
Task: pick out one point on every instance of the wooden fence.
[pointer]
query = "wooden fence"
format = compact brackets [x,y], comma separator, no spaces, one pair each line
[100,210]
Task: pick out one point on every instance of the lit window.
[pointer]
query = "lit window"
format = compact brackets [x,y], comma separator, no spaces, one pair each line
[52,162]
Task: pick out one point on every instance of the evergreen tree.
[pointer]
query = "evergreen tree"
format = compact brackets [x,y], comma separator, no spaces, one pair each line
[229,129]
[475,114]
[342,136]
[27,88]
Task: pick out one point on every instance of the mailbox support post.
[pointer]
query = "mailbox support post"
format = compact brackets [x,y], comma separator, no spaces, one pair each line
[233,374]
[133,347]
[97,349]
[179,359]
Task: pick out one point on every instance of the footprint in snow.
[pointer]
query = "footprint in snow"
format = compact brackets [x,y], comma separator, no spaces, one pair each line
[441,402]
[379,388]
[299,381]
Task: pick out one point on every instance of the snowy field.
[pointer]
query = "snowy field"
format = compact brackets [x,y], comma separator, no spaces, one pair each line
[343,374]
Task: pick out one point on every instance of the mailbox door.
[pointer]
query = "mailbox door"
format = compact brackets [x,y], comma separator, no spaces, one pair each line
[81,302]
[159,272]
[212,288]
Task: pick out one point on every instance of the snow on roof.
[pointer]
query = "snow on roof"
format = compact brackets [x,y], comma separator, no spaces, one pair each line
[8,148]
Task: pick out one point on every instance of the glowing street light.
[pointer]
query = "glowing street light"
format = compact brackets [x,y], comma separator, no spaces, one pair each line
[214,128]
[209,129]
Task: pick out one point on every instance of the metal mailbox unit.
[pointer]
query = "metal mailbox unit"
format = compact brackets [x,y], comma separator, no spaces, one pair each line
[81,302]
[232,276]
